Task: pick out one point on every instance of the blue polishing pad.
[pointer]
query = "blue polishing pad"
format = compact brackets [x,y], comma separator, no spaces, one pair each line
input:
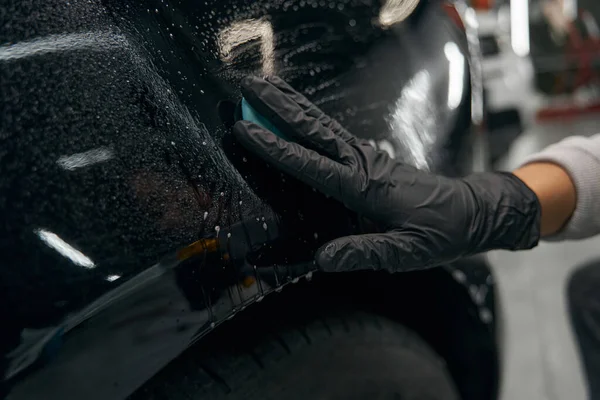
[250,114]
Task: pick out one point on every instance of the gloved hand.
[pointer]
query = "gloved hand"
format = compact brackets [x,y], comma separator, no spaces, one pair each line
[426,219]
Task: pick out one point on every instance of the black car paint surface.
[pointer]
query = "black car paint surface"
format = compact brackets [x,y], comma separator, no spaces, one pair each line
[111,160]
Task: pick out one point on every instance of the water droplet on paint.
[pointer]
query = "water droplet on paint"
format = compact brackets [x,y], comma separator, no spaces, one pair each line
[486,316]
[473,289]
[459,276]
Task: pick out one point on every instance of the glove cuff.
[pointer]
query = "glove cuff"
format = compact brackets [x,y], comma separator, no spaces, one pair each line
[509,212]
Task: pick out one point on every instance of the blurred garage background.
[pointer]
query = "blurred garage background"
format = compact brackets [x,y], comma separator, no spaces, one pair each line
[541,66]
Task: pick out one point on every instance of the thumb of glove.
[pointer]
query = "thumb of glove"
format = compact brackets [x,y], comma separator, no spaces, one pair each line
[392,251]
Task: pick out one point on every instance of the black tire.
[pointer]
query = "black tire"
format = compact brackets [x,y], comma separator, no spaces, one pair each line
[301,346]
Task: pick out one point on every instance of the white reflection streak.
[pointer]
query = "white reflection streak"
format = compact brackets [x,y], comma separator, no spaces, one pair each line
[412,119]
[394,11]
[456,71]
[570,9]
[241,32]
[79,160]
[112,278]
[64,248]
[519,27]
[60,42]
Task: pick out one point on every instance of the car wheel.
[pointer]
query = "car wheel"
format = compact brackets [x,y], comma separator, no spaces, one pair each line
[306,345]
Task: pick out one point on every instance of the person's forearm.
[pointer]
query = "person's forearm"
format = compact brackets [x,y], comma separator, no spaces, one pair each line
[566,178]
[555,191]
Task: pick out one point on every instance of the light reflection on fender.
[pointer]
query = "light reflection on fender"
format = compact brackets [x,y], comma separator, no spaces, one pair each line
[244,31]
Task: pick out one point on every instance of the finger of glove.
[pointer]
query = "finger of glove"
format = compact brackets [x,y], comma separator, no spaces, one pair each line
[311,109]
[322,173]
[288,116]
[391,251]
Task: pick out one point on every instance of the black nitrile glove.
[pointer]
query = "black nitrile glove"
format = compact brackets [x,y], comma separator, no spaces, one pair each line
[426,219]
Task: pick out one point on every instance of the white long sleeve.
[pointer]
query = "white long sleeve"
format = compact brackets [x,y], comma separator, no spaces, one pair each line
[580,157]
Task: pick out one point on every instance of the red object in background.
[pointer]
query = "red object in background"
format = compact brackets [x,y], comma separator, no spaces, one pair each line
[581,50]
[547,114]
[452,12]
[483,4]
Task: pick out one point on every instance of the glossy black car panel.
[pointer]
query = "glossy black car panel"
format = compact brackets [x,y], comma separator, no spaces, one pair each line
[112,165]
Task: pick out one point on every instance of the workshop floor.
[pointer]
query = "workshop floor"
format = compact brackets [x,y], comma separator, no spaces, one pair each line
[539,355]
